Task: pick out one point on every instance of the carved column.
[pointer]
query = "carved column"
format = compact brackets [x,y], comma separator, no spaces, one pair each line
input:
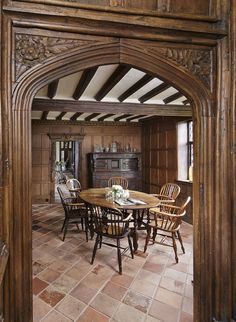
[222,238]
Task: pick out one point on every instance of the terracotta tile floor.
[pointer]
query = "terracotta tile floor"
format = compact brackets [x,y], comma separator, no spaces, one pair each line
[67,288]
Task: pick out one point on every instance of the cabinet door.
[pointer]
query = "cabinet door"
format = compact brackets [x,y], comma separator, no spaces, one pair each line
[130,164]
[114,164]
[100,165]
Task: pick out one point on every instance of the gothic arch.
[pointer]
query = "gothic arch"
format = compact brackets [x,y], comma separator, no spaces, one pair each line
[69,62]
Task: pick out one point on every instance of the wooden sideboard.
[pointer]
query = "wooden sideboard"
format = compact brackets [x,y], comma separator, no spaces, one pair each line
[103,165]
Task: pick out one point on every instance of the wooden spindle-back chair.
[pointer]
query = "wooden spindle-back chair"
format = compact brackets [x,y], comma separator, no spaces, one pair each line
[110,223]
[74,187]
[123,182]
[75,212]
[166,223]
[168,193]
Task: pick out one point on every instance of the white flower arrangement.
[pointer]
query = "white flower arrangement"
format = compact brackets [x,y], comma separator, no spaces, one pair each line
[117,192]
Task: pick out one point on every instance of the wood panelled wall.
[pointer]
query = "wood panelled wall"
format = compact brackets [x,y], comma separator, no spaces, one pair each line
[159,147]
[94,134]
[152,7]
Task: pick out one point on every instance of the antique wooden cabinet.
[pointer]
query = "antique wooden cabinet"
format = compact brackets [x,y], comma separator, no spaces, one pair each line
[102,166]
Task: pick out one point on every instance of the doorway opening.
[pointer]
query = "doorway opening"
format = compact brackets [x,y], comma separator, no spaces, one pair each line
[65,161]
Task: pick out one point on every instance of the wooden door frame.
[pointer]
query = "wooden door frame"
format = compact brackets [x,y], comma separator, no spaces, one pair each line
[19,211]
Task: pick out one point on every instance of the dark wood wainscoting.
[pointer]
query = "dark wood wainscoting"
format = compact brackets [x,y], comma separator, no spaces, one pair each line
[159,146]
[94,135]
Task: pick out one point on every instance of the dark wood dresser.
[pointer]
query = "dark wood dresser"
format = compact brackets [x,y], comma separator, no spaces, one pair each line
[103,165]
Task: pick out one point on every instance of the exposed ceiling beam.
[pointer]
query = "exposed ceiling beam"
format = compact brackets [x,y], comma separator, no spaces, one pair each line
[44,115]
[118,118]
[75,116]
[60,116]
[52,88]
[108,107]
[185,102]
[134,88]
[102,118]
[115,77]
[155,91]
[91,116]
[83,82]
[172,98]
[134,117]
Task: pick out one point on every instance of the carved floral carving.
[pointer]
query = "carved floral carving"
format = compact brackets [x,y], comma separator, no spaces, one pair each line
[198,62]
[32,50]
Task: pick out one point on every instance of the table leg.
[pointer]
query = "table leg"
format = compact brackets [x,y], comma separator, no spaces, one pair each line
[135,233]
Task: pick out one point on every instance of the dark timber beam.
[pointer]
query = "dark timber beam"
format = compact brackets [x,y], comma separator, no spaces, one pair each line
[60,116]
[52,88]
[134,117]
[75,116]
[185,102]
[111,107]
[102,118]
[44,115]
[83,82]
[118,74]
[122,117]
[134,88]
[90,117]
[155,91]
[172,98]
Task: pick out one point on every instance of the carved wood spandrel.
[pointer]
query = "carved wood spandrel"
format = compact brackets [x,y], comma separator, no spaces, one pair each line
[196,61]
[33,49]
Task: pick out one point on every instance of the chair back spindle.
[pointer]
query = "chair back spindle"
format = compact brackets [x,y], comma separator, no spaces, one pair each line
[123,182]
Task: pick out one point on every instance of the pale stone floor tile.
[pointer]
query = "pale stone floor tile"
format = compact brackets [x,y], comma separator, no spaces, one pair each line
[40,309]
[71,307]
[168,297]
[105,304]
[146,288]
[55,317]
[126,313]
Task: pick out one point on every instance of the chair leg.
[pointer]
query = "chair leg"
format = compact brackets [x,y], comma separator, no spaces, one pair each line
[175,247]
[154,234]
[119,256]
[100,242]
[63,225]
[86,228]
[181,242]
[65,228]
[147,238]
[130,246]
[95,248]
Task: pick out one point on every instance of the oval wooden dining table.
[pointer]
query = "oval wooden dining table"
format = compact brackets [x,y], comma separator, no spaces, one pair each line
[97,196]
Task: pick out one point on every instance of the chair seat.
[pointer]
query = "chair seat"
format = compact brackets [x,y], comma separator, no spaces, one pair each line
[118,232]
[161,223]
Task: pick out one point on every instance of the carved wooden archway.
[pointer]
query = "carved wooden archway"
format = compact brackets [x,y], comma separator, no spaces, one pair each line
[157,60]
